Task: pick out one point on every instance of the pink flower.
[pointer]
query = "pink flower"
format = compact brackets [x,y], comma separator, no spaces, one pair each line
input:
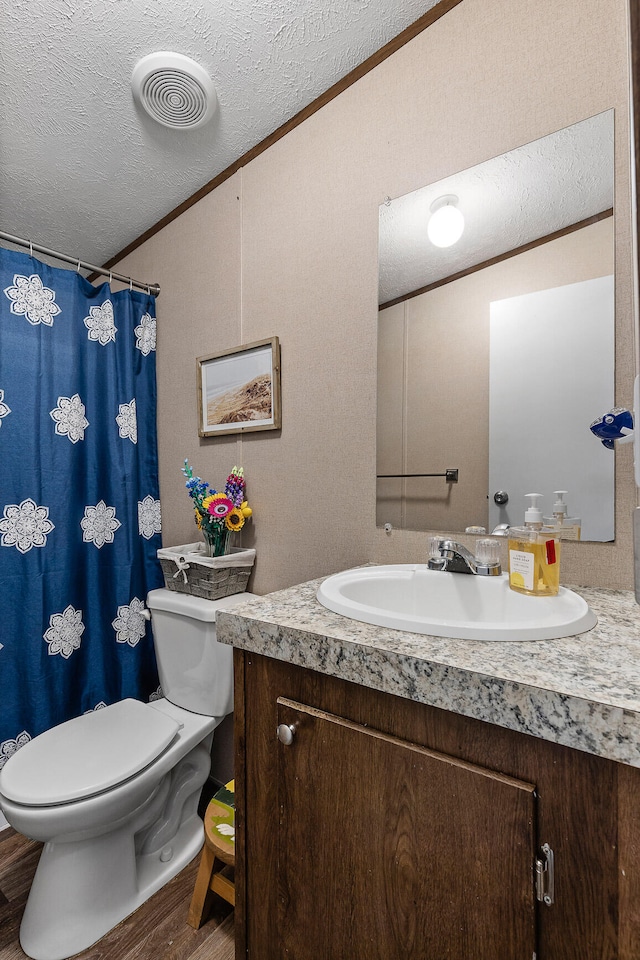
[220,506]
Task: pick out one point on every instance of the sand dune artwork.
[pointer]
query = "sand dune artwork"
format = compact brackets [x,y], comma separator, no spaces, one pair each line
[239,390]
[251,401]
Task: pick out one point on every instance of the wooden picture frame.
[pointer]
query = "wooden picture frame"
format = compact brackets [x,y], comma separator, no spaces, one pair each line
[239,389]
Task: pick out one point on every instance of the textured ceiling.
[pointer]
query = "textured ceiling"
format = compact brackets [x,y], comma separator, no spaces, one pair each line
[85,171]
[507,201]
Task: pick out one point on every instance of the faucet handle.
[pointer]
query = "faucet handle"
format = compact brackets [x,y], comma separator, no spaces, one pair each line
[488,552]
[433,548]
[435,559]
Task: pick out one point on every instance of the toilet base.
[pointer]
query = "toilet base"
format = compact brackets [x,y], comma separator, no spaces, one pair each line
[104,883]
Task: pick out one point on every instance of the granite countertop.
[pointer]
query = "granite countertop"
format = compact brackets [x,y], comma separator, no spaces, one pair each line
[581,691]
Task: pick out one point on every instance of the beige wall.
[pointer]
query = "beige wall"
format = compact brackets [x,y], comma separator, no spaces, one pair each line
[288,247]
[435,356]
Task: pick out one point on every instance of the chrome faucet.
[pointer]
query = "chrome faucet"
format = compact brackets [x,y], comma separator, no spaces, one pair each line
[452,557]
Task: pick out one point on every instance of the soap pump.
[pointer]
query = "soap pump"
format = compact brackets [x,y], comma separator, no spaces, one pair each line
[567,528]
[534,554]
[533,514]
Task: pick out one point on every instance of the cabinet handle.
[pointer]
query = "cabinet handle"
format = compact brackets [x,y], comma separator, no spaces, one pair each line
[285,733]
[545,879]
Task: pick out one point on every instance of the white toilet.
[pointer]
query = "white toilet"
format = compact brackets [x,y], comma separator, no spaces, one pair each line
[114,793]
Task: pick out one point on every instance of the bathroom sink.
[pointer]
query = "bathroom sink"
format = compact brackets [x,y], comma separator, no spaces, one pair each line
[412,597]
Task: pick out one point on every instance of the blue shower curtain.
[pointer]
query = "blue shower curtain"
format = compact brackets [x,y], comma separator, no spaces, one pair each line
[79,502]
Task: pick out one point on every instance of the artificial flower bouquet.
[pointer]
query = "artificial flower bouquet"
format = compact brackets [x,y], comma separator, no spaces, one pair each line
[218,515]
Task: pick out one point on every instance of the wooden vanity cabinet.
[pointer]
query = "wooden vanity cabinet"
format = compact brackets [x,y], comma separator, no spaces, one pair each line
[390,830]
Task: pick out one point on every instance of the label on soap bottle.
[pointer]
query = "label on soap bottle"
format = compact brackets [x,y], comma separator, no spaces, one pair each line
[521,567]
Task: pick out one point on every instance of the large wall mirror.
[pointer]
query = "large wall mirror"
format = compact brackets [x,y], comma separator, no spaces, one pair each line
[496,350]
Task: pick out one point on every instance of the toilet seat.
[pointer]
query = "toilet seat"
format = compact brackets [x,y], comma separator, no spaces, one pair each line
[87,755]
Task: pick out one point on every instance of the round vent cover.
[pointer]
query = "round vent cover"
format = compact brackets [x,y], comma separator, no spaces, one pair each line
[174,90]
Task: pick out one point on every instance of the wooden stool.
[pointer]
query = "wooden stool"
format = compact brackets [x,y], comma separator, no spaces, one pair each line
[217,862]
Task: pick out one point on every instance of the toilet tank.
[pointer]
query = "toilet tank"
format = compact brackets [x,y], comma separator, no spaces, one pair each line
[196,672]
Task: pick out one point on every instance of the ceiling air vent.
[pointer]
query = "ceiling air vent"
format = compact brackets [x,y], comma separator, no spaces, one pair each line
[175,90]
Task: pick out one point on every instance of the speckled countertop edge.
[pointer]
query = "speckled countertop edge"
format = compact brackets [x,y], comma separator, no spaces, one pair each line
[581,691]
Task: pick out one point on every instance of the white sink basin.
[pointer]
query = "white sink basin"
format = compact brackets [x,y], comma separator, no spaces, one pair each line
[412,597]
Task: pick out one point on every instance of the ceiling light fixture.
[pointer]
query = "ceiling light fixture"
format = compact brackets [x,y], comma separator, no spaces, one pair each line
[175,90]
[446,222]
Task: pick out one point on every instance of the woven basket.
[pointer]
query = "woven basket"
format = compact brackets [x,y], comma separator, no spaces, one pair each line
[186,569]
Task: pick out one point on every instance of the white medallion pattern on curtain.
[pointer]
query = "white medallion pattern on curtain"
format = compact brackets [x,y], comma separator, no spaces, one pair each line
[149,518]
[131,624]
[146,335]
[100,323]
[98,706]
[99,524]
[25,525]
[69,418]
[65,632]
[4,409]
[31,299]
[9,747]
[127,421]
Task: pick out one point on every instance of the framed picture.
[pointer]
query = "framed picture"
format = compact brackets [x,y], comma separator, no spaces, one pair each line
[239,389]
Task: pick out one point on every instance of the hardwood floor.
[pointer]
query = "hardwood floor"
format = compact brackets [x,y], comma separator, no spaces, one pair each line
[156,931]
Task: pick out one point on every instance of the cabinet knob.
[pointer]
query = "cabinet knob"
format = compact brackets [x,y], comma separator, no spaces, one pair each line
[285,734]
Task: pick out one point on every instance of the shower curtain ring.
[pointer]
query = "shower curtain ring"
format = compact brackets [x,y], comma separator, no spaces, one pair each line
[78,267]
[130,285]
[30,248]
[110,277]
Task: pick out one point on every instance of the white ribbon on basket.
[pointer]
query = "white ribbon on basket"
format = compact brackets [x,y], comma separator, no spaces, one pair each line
[183,566]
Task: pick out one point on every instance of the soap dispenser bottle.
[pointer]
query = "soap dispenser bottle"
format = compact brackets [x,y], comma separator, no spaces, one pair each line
[567,528]
[534,554]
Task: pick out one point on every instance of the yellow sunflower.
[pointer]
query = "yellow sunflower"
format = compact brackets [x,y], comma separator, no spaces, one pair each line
[234,519]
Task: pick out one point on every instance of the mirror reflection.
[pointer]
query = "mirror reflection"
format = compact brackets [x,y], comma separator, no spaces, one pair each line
[496,340]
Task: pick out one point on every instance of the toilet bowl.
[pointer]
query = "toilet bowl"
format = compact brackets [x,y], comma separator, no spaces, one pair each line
[113,794]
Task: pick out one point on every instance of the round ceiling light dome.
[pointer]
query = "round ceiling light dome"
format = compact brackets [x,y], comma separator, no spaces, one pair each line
[175,90]
[446,224]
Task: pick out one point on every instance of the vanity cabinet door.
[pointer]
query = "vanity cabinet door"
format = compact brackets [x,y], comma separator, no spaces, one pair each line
[391,851]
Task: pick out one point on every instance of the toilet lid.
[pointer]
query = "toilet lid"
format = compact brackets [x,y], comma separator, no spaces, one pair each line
[87,755]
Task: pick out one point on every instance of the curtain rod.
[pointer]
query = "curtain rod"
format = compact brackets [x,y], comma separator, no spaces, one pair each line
[152,288]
